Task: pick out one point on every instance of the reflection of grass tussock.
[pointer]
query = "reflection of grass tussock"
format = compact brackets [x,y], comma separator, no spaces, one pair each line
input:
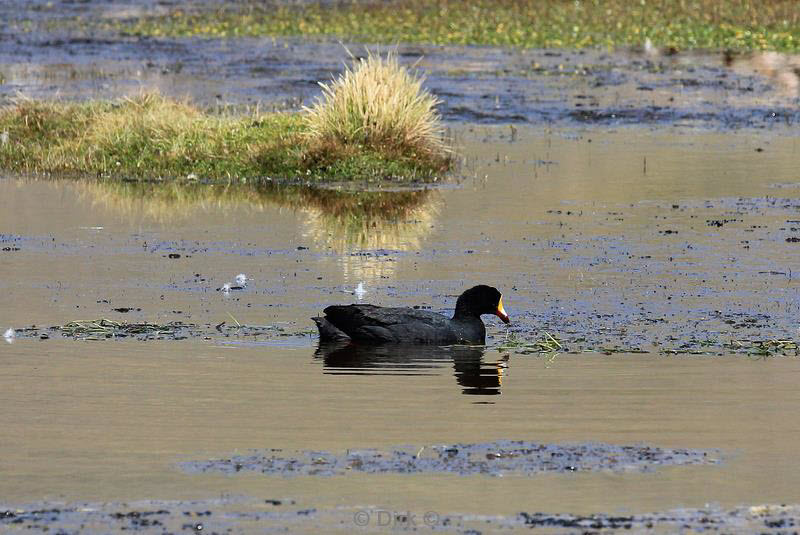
[152,136]
[738,24]
[167,202]
[368,219]
[379,104]
[373,220]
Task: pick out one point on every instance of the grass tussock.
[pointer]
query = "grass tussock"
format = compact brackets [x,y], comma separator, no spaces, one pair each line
[152,136]
[683,24]
[380,105]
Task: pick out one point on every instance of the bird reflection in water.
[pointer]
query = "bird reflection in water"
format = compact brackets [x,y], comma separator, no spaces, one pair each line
[475,376]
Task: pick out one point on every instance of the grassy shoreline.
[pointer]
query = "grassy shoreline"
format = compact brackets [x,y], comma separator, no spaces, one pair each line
[681,24]
[154,137]
[374,122]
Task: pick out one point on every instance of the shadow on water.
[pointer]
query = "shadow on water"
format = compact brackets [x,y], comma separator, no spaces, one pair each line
[472,373]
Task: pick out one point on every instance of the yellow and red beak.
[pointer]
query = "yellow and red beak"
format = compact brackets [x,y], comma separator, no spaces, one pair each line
[501,312]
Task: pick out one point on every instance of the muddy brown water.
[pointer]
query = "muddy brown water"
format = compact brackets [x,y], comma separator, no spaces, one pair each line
[582,240]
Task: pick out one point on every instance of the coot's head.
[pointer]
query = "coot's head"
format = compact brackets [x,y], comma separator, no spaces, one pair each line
[482,299]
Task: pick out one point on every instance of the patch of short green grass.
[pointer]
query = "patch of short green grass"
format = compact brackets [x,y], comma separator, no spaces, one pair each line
[682,24]
[149,136]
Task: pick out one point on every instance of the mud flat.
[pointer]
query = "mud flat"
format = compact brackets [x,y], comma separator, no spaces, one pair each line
[241,515]
[495,459]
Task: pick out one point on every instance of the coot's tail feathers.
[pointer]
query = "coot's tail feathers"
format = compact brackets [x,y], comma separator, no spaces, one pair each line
[328,331]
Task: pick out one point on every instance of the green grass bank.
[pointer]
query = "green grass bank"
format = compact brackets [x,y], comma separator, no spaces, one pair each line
[375,122]
[682,24]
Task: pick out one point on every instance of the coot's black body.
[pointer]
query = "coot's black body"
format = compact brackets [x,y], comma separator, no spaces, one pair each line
[380,325]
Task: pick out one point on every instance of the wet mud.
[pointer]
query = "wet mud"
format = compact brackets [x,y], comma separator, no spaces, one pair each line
[242,515]
[105,329]
[492,459]
[225,515]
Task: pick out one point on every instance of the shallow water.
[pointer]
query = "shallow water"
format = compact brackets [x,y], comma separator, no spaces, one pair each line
[583,240]
[111,421]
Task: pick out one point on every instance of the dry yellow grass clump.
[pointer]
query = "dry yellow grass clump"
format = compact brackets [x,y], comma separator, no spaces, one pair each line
[380,105]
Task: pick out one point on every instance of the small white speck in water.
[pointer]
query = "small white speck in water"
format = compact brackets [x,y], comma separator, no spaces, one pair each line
[360,292]
[241,279]
[226,287]
[9,336]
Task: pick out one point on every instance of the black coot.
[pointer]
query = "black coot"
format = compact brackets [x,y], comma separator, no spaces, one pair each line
[380,325]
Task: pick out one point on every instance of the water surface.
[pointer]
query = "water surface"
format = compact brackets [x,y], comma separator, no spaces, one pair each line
[583,240]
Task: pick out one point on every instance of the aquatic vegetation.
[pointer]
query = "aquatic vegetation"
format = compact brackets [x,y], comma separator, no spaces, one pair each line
[109,329]
[734,24]
[106,328]
[550,345]
[378,104]
[154,137]
[547,343]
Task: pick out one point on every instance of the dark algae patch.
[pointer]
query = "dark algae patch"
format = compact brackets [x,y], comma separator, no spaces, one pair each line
[755,519]
[225,515]
[107,329]
[550,345]
[492,458]
[250,515]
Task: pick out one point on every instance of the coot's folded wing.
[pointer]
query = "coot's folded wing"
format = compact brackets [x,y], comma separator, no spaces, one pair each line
[370,323]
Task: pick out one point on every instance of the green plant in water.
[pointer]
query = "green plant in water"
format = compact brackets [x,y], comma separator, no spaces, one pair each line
[547,343]
[106,328]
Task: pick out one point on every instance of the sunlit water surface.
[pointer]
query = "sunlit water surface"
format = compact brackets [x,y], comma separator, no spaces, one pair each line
[569,225]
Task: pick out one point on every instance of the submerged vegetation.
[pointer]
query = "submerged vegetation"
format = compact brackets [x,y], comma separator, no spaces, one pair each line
[682,24]
[376,122]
